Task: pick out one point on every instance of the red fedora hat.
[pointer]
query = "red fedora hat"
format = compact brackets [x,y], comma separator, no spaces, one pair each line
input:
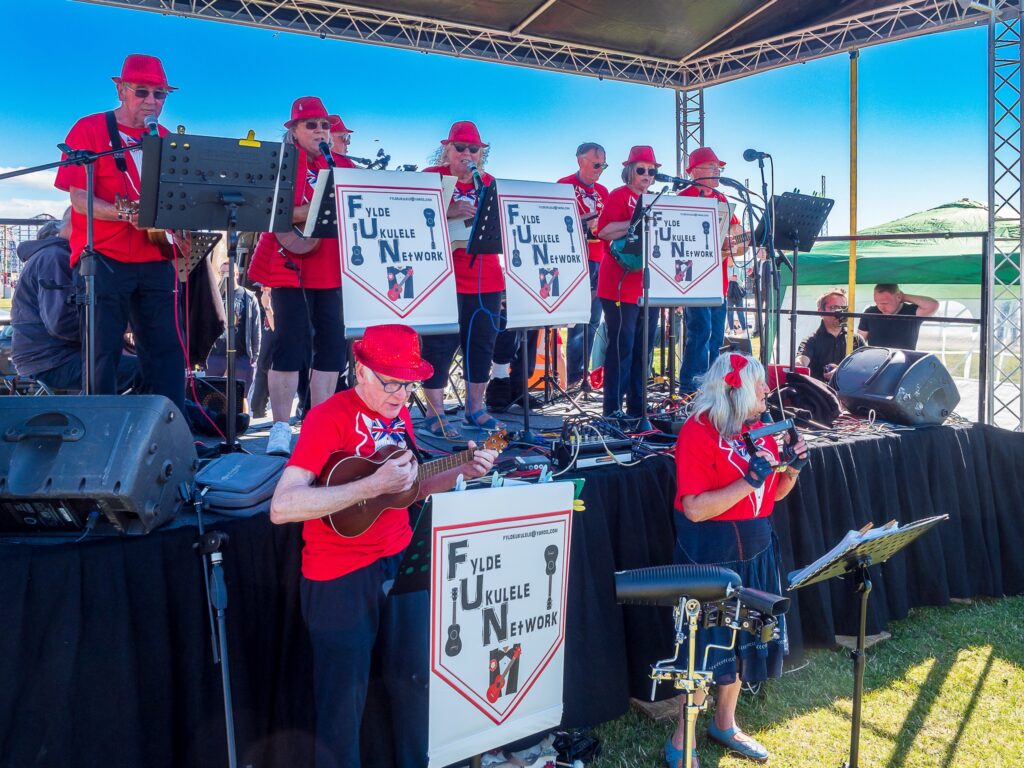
[701,156]
[393,350]
[307,108]
[338,125]
[642,154]
[464,132]
[143,70]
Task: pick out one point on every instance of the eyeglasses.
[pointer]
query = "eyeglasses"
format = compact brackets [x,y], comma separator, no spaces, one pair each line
[312,125]
[473,148]
[396,386]
[836,308]
[143,93]
[600,166]
[645,171]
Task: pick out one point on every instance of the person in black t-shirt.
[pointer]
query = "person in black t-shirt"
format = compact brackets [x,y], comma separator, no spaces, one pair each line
[899,334]
[824,349]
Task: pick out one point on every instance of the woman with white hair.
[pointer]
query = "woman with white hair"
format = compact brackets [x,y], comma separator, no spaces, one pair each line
[725,498]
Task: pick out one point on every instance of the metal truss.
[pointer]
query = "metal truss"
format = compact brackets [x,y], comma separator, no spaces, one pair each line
[1005,201]
[689,125]
[350,21]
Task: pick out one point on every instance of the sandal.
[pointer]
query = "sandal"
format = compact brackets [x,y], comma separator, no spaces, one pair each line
[491,425]
[737,741]
[674,755]
[438,426]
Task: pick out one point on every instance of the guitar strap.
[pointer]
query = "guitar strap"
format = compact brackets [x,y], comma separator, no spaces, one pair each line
[115,141]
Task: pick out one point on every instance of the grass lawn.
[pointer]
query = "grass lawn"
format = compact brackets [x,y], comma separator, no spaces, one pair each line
[946,690]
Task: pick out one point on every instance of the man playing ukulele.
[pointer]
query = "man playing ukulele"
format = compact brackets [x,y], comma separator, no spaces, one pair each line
[344,579]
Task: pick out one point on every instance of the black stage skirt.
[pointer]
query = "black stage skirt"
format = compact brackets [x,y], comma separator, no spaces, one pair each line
[750,548]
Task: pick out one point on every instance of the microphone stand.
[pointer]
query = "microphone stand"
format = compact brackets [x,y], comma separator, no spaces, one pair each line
[86,260]
[773,272]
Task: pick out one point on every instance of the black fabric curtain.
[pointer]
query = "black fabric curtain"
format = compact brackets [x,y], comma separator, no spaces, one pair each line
[105,646]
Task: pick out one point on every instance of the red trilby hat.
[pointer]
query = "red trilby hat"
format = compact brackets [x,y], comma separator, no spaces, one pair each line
[464,132]
[701,156]
[642,154]
[144,70]
[307,108]
[393,350]
[338,125]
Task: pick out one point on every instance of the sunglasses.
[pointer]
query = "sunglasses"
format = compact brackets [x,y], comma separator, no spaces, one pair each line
[600,166]
[143,93]
[390,387]
[473,148]
[312,125]
[645,171]
[836,308]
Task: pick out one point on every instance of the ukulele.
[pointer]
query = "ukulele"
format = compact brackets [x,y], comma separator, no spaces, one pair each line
[568,228]
[396,289]
[453,646]
[357,249]
[546,278]
[164,239]
[494,691]
[296,243]
[342,467]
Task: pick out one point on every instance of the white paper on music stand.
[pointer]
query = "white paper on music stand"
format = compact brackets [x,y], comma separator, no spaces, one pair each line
[547,278]
[458,229]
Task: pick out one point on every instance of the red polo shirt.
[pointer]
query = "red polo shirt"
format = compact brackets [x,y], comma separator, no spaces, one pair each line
[707,461]
[589,200]
[613,282]
[344,422]
[118,240]
[485,276]
[272,264]
[705,192]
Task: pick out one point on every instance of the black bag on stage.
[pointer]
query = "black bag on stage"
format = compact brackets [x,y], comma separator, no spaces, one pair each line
[803,392]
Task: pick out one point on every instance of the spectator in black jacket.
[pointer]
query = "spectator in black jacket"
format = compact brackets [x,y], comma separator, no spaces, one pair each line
[46,340]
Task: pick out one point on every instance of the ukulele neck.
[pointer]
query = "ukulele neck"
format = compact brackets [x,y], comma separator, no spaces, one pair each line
[432,468]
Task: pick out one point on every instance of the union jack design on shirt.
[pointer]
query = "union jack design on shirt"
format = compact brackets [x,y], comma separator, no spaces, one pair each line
[384,433]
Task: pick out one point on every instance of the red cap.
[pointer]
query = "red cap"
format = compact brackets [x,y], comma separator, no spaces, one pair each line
[338,125]
[464,132]
[307,108]
[701,156]
[393,350]
[642,154]
[143,70]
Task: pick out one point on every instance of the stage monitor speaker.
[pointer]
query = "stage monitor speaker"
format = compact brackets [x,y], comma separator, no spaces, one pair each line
[64,457]
[899,385]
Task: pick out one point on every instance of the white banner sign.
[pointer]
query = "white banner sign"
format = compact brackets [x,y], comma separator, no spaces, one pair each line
[545,247]
[684,250]
[396,264]
[500,565]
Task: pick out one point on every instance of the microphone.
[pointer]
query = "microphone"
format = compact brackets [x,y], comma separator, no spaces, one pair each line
[325,148]
[750,155]
[477,178]
[664,178]
[151,125]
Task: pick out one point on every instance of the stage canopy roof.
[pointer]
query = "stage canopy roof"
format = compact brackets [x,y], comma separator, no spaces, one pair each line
[683,44]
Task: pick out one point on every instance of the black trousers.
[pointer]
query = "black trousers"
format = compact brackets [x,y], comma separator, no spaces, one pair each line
[478,320]
[143,295]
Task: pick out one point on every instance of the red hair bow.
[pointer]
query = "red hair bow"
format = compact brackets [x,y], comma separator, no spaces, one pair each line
[738,362]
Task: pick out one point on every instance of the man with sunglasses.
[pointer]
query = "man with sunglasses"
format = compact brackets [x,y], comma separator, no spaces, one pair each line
[345,581]
[824,349]
[134,282]
[590,200]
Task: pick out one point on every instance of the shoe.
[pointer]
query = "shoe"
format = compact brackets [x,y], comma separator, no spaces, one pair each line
[490,425]
[439,427]
[674,755]
[737,741]
[498,396]
[280,441]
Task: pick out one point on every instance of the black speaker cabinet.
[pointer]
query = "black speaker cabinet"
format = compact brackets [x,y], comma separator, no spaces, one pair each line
[902,386]
[64,457]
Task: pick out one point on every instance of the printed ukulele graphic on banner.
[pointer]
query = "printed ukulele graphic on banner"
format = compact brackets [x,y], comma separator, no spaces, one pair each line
[394,240]
[545,252]
[685,250]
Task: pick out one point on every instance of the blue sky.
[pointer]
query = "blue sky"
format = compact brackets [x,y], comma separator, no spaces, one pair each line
[922,105]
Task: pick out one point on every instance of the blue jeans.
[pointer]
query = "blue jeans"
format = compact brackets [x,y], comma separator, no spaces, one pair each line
[346,618]
[733,314]
[69,375]
[624,369]
[705,332]
[574,348]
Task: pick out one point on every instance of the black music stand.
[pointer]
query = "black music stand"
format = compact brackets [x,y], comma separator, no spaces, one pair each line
[207,182]
[795,222]
[855,555]
[485,232]
[323,221]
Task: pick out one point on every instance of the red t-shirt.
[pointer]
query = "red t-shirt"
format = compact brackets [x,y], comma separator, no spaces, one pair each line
[344,422]
[117,239]
[705,192]
[485,276]
[613,282]
[320,269]
[706,461]
[589,200]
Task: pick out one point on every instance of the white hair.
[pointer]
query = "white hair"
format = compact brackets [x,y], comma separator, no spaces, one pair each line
[728,407]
